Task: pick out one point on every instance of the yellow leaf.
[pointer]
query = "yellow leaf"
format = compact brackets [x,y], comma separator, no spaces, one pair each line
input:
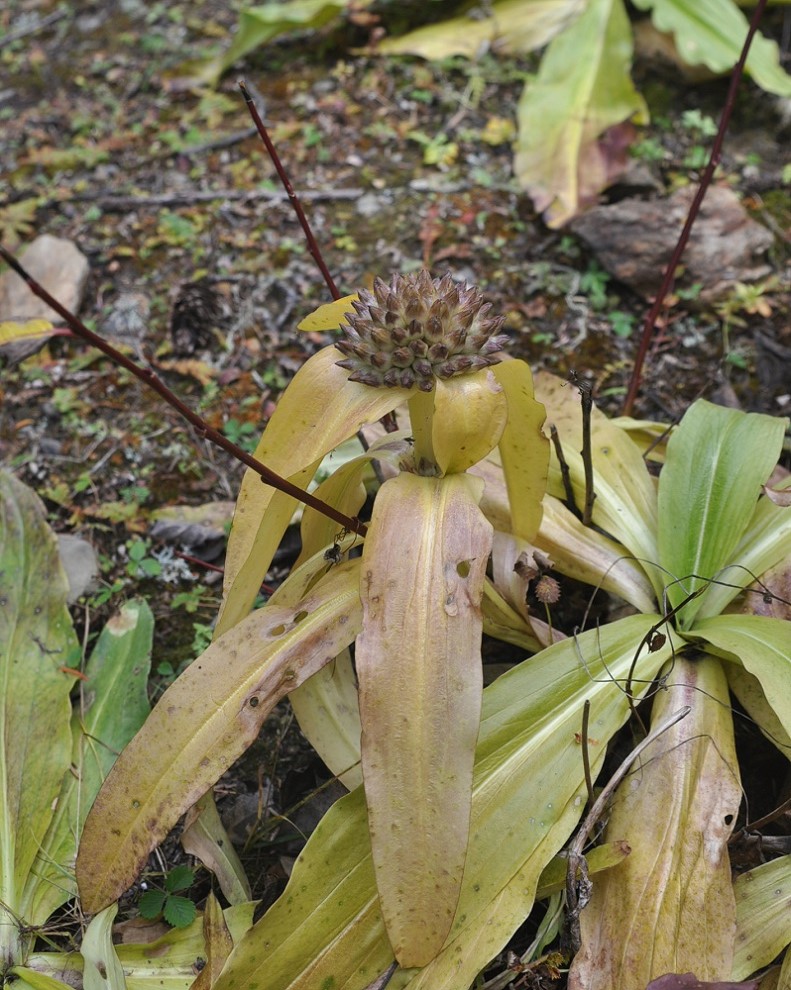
[418,661]
[330,315]
[11,331]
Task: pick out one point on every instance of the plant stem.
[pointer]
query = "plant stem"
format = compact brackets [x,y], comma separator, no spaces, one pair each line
[421,420]
[705,182]
[270,149]
[203,429]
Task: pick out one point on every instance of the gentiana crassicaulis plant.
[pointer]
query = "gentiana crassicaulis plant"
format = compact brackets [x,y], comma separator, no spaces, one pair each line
[413,603]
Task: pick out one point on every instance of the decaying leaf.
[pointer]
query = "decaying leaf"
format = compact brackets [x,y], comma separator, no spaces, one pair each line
[419,666]
[670,905]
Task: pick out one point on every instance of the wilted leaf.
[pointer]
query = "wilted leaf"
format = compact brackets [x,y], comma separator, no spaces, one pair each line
[218,944]
[523,448]
[203,722]
[506,27]
[11,332]
[670,904]
[688,981]
[320,409]
[583,88]
[418,661]
[102,968]
[762,929]
[326,928]
[330,315]
[204,836]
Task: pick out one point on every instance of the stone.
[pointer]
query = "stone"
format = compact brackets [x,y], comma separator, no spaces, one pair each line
[59,266]
[634,239]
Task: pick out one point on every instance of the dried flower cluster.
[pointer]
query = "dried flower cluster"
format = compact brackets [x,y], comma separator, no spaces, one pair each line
[418,329]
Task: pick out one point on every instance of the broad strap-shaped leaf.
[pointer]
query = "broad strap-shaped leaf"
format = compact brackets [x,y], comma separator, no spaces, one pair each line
[762,646]
[261,23]
[470,414]
[762,929]
[218,944]
[507,26]
[712,32]
[102,969]
[625,503]
[765,544]
[36,641]
[528,793]
[328,713]
[203,722]
[112,705]
[587,555]
[418,662]
[524,450]
[204,836]
[717,460]
[748,691]
[669,907]
[345,489]
[583,88]
[319,410]
[576,550]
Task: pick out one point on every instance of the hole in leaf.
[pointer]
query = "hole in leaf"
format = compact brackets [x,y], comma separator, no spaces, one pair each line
[253,702]
[463,568]
[300,616]
[277,630]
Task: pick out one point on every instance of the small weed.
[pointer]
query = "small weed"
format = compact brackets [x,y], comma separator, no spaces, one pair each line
[622,323]
[140,564]
[594,283]
[177,910]
[244,435]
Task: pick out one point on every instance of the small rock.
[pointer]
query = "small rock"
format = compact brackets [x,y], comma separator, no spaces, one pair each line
[60,267]
[81,564]
[634,239]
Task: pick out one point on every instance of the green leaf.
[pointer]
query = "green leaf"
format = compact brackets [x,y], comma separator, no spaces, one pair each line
[36,640]
[151,903]
[765,544]
[762,929]
[262,23]
[179,878]
[582,89]
[716,462]
[113,705]
[203,722]
[762,646]
[102,969]
[712,32]
[179,911]
[529,792]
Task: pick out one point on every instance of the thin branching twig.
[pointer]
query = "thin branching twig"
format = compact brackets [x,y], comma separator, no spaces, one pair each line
[694,209]
[148,377]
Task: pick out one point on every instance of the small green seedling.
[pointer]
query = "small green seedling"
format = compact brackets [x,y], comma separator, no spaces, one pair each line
[177,910]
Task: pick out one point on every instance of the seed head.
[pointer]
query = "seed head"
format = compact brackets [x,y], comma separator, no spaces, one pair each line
[417,329]
[547,590]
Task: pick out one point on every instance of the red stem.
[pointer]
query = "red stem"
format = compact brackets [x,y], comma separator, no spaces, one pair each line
[705,182]
[147,376]
[270,150]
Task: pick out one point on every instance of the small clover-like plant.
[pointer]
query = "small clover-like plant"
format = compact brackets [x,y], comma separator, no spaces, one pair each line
[177,910]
